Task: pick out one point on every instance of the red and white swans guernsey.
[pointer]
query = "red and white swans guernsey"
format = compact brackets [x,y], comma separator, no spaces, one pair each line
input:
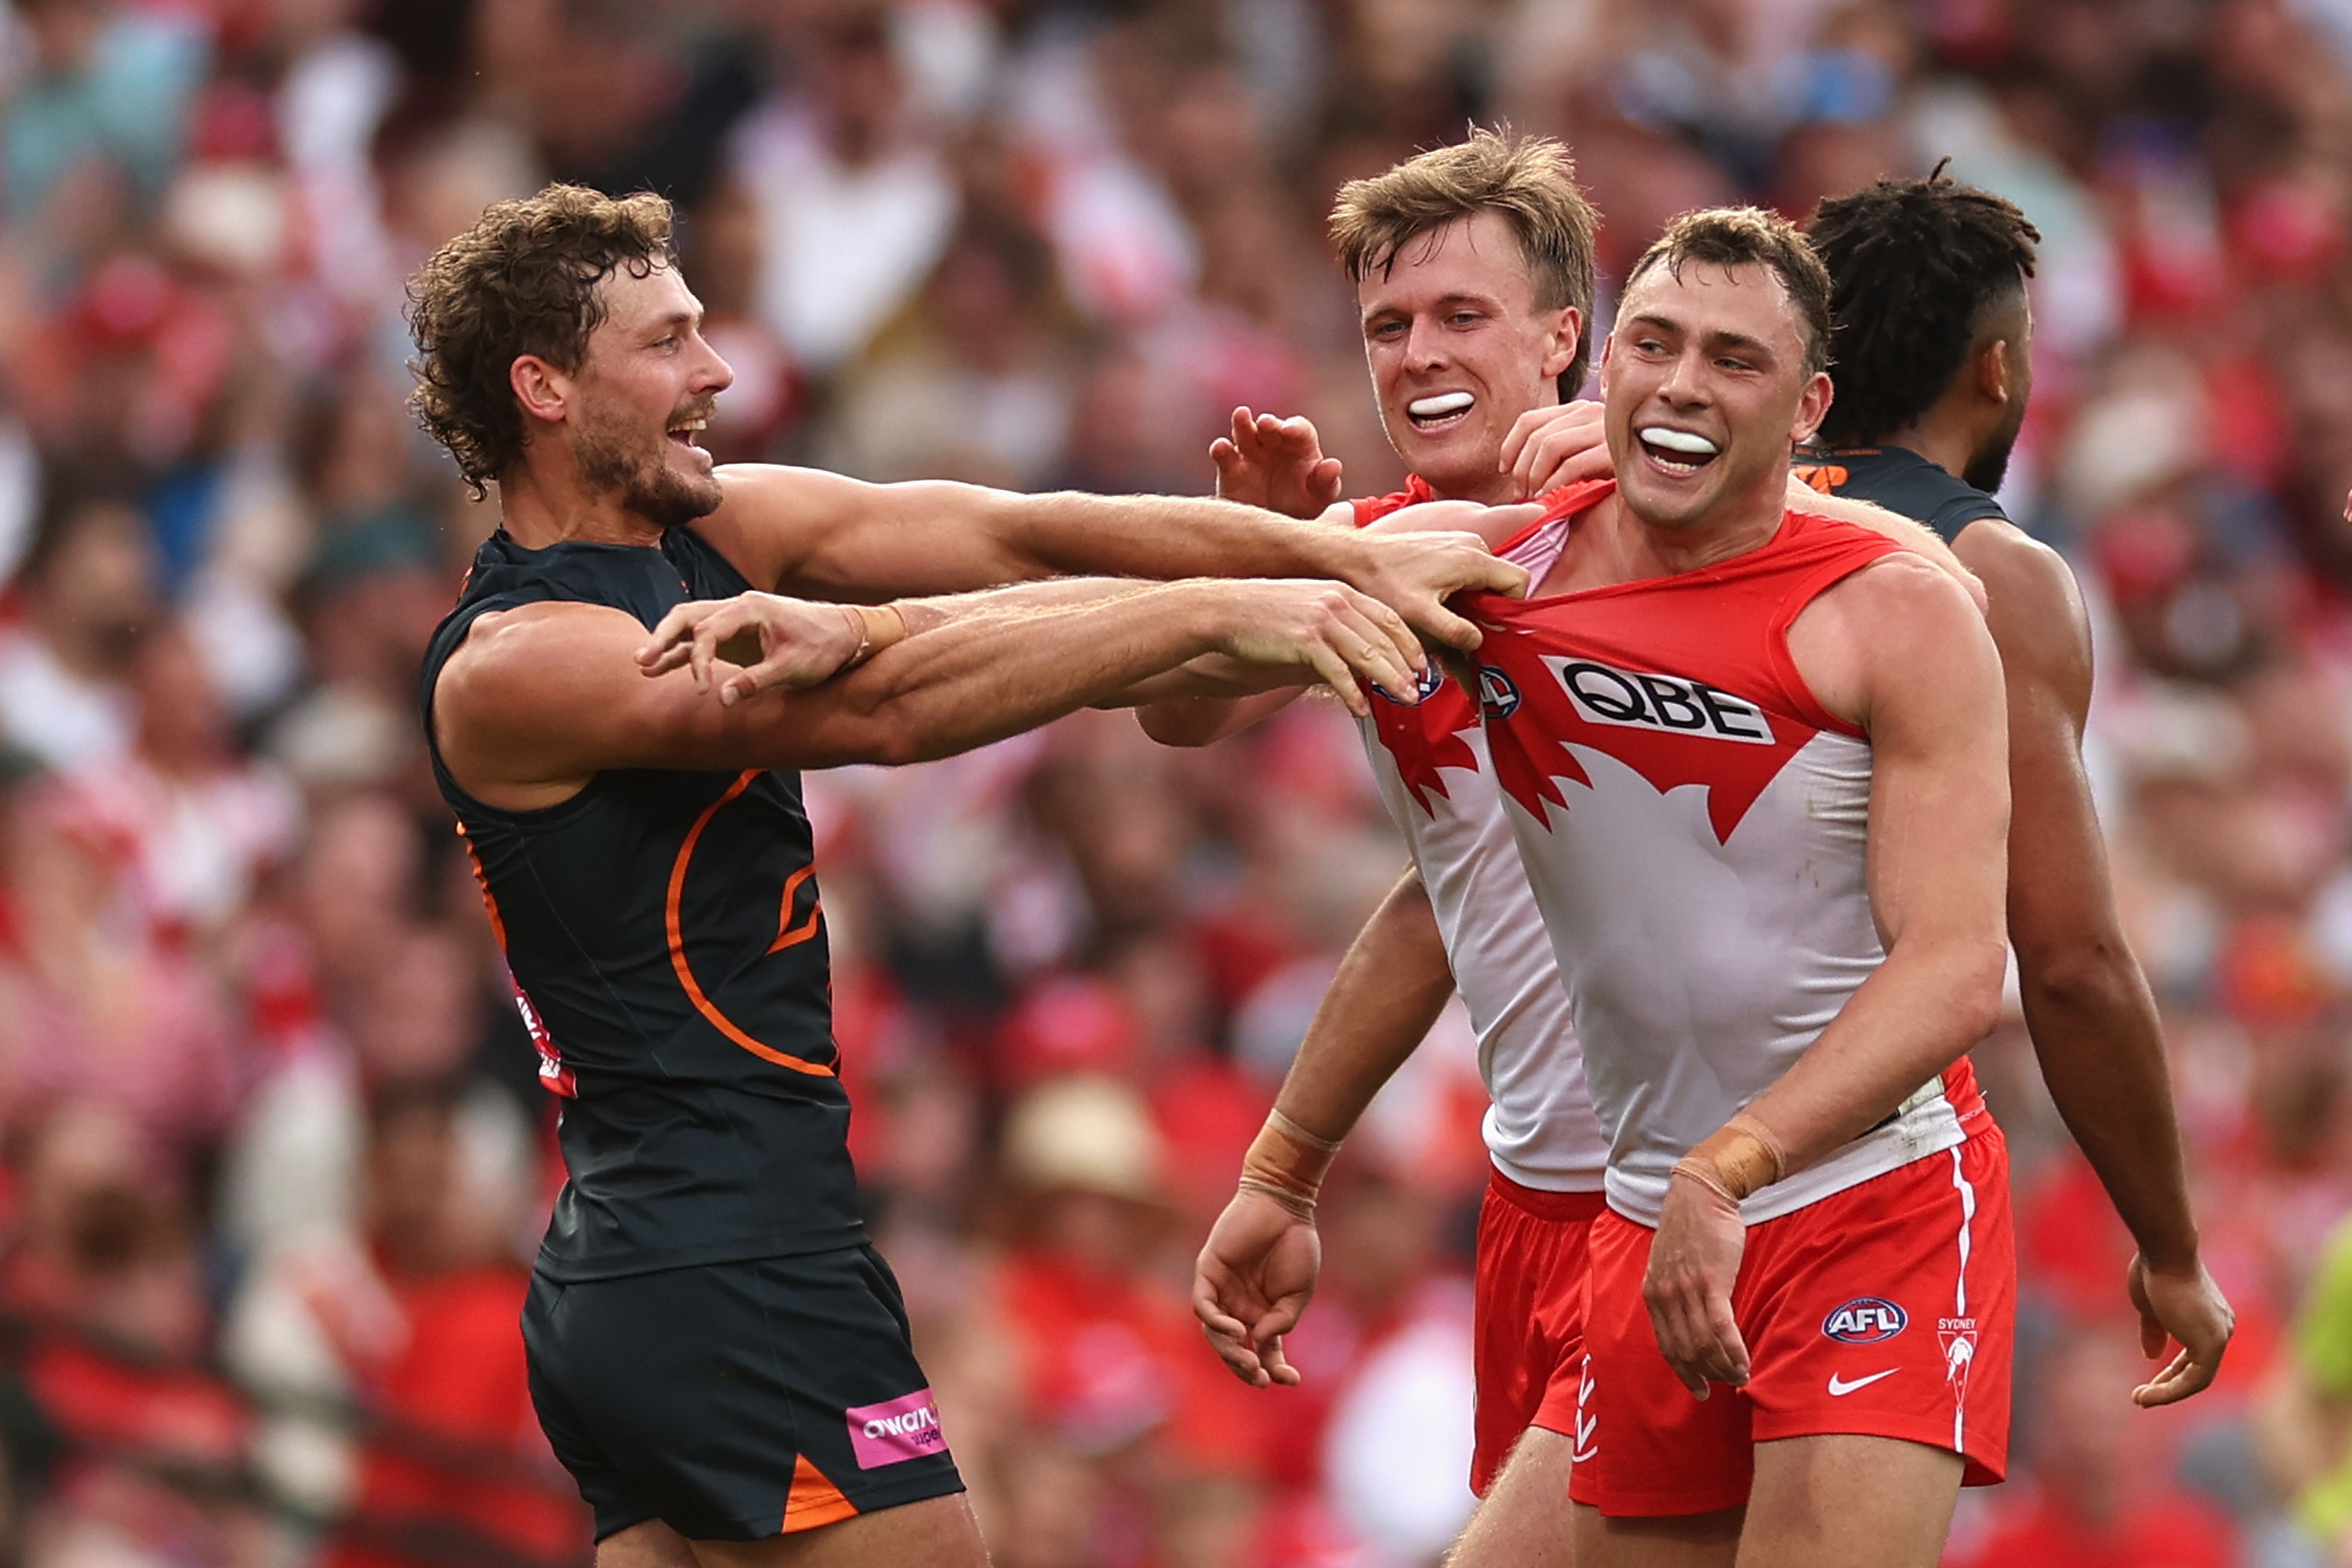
[1692,822]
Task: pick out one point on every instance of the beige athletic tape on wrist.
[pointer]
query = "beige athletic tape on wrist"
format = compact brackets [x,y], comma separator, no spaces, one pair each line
[1287,1164]
[878,625]
[1740,1157]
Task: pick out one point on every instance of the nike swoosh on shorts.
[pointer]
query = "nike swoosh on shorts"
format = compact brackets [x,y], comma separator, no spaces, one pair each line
[1840,1387]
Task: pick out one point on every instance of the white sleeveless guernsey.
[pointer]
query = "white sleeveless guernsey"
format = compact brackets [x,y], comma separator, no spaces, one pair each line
[1430,762]
[1693,825]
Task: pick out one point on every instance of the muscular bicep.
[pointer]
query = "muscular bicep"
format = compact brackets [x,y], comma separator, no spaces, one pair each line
[539,699]
[1939,772]
[804,530]
[2038,623]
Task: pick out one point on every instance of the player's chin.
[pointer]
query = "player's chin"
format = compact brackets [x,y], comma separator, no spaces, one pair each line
[1466,453]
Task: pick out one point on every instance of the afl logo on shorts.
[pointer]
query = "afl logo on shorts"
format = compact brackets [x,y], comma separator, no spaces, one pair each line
[1865,1321]
[1427,687]
[1496,694]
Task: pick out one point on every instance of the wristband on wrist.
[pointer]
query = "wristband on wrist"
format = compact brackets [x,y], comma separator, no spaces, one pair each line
[1737,1159]
[1287,1164]
[877,626]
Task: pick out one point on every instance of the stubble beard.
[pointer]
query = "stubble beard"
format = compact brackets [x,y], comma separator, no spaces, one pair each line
[615,460]
[1988,468]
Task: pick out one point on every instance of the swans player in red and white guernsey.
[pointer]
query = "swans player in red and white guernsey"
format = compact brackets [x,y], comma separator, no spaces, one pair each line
[1755,764]
[1473,269]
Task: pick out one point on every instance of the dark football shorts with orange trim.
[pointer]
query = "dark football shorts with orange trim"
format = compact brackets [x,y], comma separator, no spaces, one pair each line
[736,1401]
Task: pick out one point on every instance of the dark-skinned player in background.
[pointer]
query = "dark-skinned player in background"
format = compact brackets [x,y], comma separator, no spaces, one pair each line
[1931,359]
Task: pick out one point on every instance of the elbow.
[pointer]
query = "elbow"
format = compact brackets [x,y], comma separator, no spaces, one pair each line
[1976,976]
[892,745]
[1176,723]
[2094,976]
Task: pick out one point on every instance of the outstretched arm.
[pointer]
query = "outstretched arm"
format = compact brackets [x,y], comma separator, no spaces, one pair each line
[1259,1266]
[539,699]
[825,536]
[1898,649]
[2088,1006]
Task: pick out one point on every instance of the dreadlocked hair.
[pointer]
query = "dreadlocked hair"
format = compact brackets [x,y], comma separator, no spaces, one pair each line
[1912,265]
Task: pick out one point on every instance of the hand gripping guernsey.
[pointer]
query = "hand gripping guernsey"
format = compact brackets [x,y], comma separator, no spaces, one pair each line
[1430,762]
[710,1340]
[1693,825]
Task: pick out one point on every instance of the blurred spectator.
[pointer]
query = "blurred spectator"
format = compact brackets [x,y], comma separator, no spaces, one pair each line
[2095,1500]
[88,587]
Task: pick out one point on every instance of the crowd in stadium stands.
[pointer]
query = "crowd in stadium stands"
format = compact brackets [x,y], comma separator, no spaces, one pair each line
[272,1156]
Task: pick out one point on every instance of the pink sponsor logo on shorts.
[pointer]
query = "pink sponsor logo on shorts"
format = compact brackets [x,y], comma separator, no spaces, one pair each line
[896,1430]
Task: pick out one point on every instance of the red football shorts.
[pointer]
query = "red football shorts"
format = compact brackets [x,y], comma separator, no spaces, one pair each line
[1888,1310]
[1529,1316]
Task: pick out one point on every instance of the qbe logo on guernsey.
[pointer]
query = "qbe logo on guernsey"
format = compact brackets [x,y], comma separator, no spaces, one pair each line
[1865,1320]
[1606,695]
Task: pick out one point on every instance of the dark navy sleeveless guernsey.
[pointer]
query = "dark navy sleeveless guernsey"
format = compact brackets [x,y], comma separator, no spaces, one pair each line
[664,935]
[1902,481]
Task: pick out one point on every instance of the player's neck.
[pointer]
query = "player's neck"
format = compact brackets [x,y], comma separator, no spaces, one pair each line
[1938,441]
[1488,487]
[540,510]
[1740,525]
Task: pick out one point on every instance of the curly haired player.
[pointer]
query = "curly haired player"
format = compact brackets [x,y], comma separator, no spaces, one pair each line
[715,1352]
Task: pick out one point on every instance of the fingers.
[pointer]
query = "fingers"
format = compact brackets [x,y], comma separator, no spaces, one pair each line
[1445,627]
[712,630]
[1376,650]
[1227,1334]
[1323,483]
[1266,1335]
[665,647]
[2152,1335]
[1698,1336]
[1334,672]
[1514,440]
[2187,1373]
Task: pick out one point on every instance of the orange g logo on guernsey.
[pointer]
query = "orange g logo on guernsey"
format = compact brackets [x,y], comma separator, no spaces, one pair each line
[788,934]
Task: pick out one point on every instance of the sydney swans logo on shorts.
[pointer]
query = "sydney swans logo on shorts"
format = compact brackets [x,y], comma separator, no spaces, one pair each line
[1865,1320]
[896,1430]
[1605,695]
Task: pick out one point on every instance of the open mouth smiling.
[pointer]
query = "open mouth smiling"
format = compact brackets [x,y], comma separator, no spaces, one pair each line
[1439,411]
[685,430]
[1679,453]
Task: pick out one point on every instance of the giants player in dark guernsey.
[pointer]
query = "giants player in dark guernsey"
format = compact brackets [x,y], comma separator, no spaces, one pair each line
[715,1353]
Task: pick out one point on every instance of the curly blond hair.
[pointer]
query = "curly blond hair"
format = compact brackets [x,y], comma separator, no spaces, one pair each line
[523,280]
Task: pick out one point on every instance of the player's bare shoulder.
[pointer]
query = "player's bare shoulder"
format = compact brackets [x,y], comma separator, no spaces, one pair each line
[774,515]
[1900,624]
[516,682]
[2033,603]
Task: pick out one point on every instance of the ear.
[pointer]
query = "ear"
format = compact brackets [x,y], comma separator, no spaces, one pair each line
[1993,382]
[1567,330]
[544,392]
[1812,407]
